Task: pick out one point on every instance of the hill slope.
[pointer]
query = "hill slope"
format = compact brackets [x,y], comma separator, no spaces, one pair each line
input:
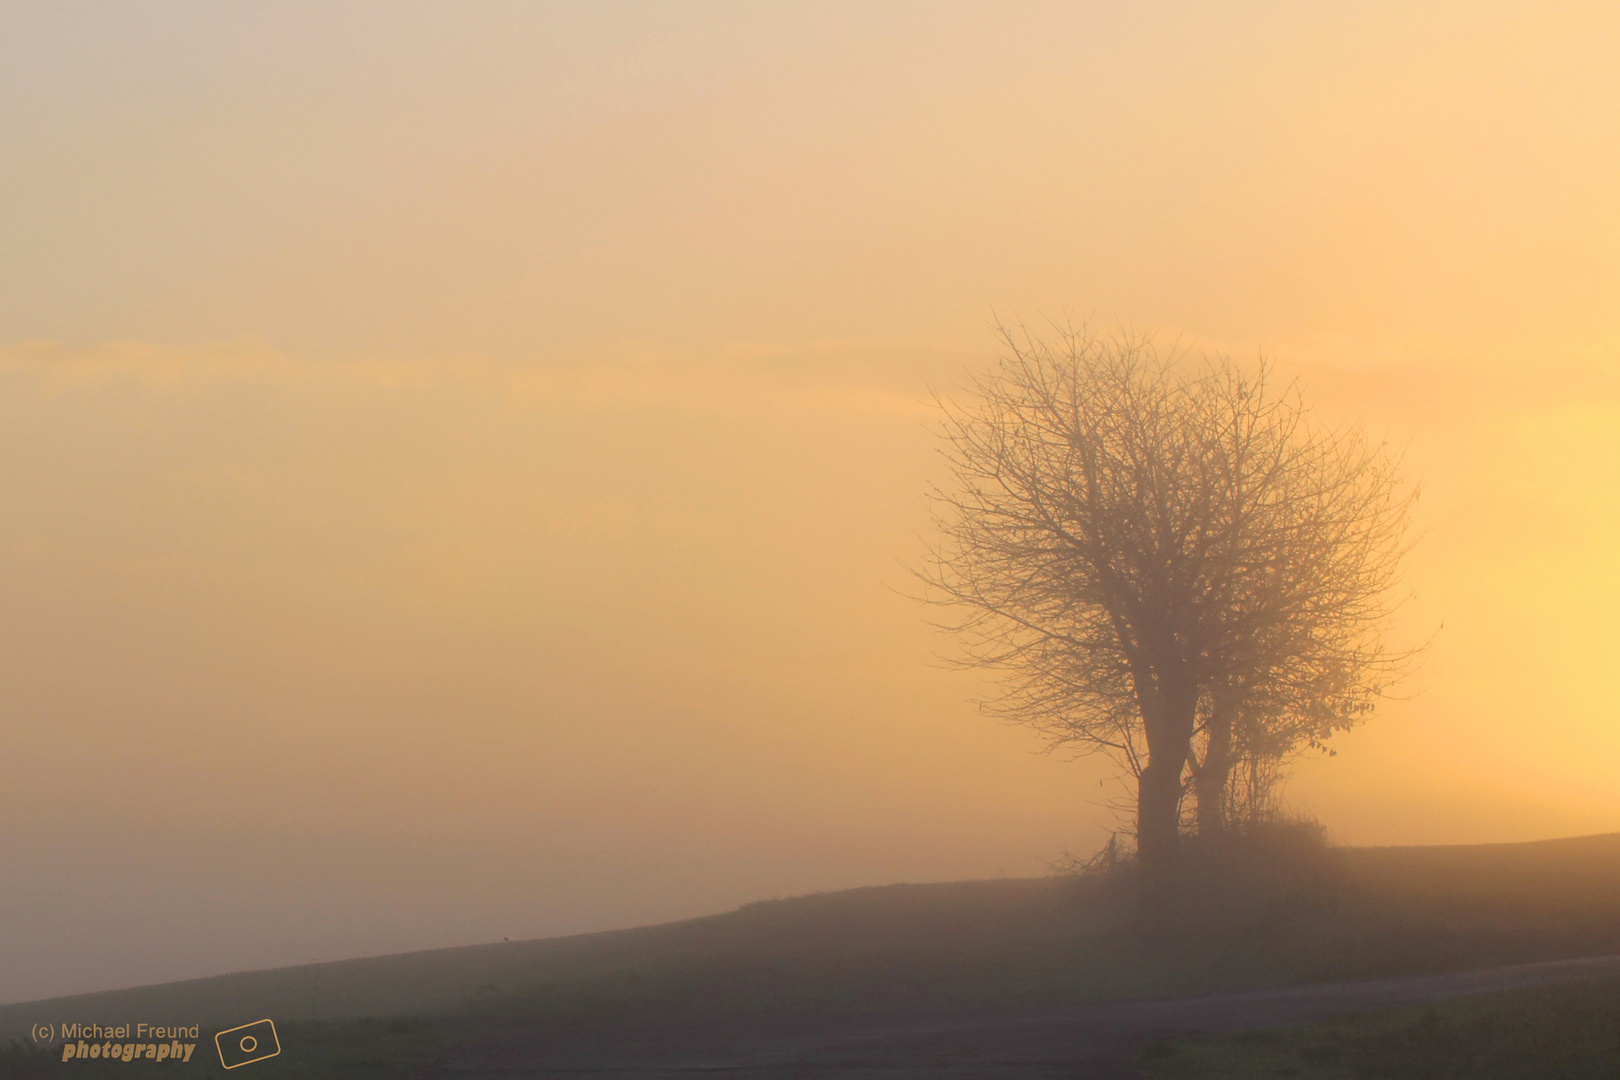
[1018,943]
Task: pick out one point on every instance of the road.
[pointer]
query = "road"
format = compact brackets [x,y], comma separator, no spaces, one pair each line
[1088,1041]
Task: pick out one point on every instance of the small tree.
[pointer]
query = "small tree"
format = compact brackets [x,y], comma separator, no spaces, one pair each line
[1169,563]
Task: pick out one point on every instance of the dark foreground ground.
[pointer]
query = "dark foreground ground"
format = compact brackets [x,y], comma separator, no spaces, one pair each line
[967,978]
[1568,1031]
[1112,1040]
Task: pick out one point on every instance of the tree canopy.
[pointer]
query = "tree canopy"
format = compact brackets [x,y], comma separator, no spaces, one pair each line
[1169,561]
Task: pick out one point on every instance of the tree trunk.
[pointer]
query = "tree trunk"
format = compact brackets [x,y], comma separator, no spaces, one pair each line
[1158,796]
[1212,776]
[1158,812]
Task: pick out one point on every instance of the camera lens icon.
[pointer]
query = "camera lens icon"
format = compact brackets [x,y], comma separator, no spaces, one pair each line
[247,1044]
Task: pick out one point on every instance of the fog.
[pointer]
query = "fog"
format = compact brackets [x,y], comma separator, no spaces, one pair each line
[459,467]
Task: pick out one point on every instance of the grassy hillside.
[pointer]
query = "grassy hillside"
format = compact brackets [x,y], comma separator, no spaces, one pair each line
[1551,1033]
[970,945]
[969,921]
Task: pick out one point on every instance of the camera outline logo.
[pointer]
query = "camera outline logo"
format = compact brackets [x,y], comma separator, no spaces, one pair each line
[248,1044]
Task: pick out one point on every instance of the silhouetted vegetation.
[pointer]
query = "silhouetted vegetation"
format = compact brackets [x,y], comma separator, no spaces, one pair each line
[1171,564]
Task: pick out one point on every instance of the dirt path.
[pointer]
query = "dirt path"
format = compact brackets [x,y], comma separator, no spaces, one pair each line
[1081,1041]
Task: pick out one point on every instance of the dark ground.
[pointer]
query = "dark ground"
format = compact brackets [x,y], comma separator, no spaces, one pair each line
[1036,977]
[1101,1040]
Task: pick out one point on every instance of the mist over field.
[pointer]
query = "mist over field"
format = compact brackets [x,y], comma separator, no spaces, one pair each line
[459,465]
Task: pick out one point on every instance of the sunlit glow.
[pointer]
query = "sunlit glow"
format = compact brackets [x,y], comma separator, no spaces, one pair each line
[458,468]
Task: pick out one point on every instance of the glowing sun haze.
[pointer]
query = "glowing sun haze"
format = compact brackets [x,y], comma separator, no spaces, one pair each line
[458,459]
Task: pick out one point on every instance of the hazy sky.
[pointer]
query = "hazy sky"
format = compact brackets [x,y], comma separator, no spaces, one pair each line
[457,460]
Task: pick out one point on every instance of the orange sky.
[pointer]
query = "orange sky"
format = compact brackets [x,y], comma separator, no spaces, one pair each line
[458,461]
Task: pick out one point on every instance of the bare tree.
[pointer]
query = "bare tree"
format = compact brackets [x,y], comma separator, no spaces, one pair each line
[1169,562]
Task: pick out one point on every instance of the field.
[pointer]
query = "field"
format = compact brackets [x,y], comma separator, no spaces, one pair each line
[1554,1033]
[924,952]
